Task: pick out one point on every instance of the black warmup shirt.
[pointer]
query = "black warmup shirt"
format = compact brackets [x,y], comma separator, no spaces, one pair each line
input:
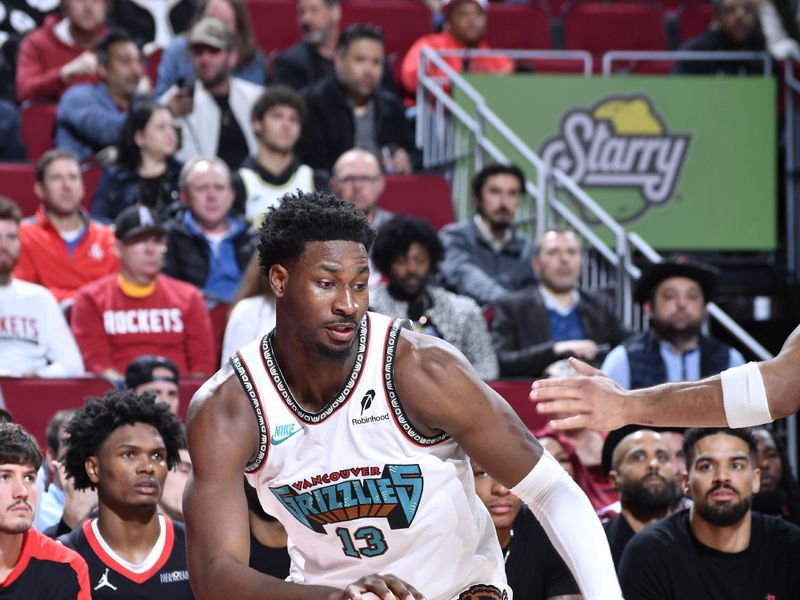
[166,579]
[534,569]
[619,533]
[666,561]
[272,561]
[46,570]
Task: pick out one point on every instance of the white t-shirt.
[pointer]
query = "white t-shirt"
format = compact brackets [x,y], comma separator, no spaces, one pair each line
[34,336]
[251,318]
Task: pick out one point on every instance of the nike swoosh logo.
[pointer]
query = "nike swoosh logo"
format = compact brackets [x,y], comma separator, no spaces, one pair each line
[277,440]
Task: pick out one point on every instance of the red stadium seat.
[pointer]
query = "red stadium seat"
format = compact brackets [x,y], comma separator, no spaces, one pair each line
[516,392]
[18,179]
[518,26]
[38,127]
[274,23]
[219,319]
[694,20]
[402,22]
[598,28]
[425,196]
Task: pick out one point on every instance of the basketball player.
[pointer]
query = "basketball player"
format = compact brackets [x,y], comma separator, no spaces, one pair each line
[355,434]
[122,444]
[744,396]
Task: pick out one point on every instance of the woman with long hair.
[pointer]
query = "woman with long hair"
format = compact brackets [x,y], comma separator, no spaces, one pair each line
[253,312]
[146,171]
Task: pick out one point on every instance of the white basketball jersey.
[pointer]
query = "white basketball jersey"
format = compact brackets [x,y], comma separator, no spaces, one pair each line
[359,489]
[262,195]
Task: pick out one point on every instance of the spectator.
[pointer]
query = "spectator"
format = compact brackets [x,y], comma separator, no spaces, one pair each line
[139,311]
[34,337]
[218,123]
[122,445]
[350,109]
[484,257]
[674,295]
[644,473]
[146,171]
[735,29]
[536,326]
[407,253]
[275,170]
[311,59]
[60,53]
[34,566]
[11,147]
[357,178]
[780,493]
[156,375]
[152,25]
[268,540]
[177,66]
[719,548]
[206,246]
[464,29]
[61,248]
[90,117]
[253,312]
[524,543]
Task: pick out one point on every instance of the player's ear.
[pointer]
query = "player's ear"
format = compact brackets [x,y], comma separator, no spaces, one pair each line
[613,479]
[90,464]
[278,278]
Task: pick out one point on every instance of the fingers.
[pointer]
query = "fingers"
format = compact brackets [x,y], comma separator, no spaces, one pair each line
[584,369]
[573,422]
[562,406]
[384,587]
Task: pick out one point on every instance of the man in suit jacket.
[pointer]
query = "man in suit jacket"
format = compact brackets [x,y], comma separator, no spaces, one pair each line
[537,326]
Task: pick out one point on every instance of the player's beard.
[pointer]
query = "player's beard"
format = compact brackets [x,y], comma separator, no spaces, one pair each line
[676,335]
[723,515]
[638,498]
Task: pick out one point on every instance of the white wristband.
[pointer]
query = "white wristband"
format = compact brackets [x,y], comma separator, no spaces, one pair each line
[744,397]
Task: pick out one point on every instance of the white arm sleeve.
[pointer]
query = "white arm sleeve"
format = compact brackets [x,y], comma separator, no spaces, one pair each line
[744,397]
[572,526]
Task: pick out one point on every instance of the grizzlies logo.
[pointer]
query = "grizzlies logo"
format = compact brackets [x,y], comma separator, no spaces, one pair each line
[483,592]
[620,143]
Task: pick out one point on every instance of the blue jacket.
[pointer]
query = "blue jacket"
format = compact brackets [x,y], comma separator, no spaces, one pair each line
[87,120]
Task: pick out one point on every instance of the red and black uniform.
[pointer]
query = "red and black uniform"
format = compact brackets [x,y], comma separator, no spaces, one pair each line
[167,578]
[46,569]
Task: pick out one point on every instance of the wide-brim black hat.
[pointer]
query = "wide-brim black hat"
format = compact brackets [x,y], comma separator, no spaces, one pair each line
[704,274]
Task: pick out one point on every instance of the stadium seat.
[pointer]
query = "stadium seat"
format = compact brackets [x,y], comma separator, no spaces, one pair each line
[18,180]
[518,26]
[38,126]
[274,23]
[219,319]
[402,22]
[598,28]
[425,196]
[694,20]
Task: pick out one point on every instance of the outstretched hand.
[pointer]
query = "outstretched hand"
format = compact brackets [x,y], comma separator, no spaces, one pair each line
[381,587]
[590,400]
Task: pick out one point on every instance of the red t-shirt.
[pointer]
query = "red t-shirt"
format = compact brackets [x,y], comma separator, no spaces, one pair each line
[112,329]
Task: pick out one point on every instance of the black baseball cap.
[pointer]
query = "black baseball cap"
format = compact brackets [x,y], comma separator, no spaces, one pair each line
[704,274]
[140,371]
[135,220]
[614,438]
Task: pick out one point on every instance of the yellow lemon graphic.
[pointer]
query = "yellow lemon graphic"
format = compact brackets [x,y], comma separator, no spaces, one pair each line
[629,117]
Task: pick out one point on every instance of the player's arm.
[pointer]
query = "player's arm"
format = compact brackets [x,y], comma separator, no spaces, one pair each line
[440,391]
[753,395]
[223,437]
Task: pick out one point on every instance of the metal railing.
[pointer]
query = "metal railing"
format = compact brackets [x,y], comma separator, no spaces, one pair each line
[636,56]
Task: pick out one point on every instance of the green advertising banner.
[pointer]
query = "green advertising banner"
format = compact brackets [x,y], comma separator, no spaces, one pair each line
[689,163]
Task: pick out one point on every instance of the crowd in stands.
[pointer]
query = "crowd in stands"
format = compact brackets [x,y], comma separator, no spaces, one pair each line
[123,282]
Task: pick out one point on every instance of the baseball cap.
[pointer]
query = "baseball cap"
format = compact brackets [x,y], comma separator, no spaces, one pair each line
[135,220]
[212,32]
[449,5]
[140,371]
[681,266]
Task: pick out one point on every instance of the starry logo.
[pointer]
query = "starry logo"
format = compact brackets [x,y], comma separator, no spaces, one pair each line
[621,143]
